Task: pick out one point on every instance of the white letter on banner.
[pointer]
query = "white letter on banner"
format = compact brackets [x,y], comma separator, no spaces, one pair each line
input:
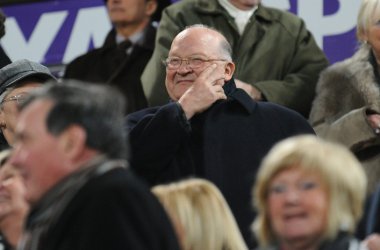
[340,22]
[281,4]
[46,29]
[91,23]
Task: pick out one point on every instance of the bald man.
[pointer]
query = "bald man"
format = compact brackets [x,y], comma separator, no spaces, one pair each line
[210,128]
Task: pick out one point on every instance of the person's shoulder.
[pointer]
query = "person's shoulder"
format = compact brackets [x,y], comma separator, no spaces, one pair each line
[192,7]
[278,14]
[288,121]
[270,109]
[118,180]
[359,61]
[355,67]
[85,59]
[187,4]
[95,53]
[287,20]
[143,112]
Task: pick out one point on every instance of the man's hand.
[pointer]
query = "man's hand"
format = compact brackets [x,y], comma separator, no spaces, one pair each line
[207,89]
[253,92]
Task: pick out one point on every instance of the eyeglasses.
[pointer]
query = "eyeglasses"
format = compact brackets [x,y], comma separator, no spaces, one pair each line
[280,189]
[192,62]
[18,98]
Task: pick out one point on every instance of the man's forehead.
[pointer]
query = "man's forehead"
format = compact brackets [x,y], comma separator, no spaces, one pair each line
[196,42]
[35,111]
[197,34]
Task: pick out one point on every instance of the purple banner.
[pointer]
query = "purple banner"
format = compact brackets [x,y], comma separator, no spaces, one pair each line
[55,32]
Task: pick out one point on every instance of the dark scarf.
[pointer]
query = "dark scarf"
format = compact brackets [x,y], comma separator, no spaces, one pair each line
[47,212]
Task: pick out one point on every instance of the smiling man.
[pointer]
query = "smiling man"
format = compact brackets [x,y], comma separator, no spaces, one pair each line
[210,129]
[278,59]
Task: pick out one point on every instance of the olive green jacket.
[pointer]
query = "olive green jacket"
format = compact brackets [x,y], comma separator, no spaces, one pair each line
[276,53]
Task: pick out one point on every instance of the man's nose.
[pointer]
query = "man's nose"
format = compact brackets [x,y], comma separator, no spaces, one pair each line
[184,67]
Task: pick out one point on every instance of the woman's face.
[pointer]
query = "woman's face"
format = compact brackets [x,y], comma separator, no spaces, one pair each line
[373,38]
[12,191]
[298,207]
[371,33]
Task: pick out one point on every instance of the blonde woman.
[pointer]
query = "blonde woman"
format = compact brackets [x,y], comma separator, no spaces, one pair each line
[309,196]
[347,105]
[200,215]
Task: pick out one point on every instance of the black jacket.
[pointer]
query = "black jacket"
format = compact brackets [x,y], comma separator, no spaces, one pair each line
[112,211]
[224,144]
[110,65]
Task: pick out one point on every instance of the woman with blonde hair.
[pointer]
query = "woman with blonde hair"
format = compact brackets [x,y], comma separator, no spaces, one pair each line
[309,195]
[201,216]
[347,104]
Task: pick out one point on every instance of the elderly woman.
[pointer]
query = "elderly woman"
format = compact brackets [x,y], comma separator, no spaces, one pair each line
[309,195]
[200,215]
[13,206]
[347,105]
[16,81]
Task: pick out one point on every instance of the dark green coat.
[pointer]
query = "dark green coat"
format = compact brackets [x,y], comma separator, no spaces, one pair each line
[276,53]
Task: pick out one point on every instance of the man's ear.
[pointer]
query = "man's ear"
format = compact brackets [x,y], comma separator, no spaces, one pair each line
[73,141]
[229,71]
[151,7]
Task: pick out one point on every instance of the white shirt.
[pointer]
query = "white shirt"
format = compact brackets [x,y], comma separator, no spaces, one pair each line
[241,16]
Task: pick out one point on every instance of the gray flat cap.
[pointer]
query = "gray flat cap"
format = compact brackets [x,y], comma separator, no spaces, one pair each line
[18,70]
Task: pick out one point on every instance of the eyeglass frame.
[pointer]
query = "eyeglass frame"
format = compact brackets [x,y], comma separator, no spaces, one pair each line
[188,64]
[18,98]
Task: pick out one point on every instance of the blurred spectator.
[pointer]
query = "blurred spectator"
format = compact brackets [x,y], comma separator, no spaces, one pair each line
[13,206]
[16,81]
[210,129]
[276,56]
[202,217]
[347,106]
[71,148]
[4,59]
[125,52]
[309,195]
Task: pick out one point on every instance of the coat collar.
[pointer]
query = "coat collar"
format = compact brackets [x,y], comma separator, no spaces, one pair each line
[239,95]
[360,69]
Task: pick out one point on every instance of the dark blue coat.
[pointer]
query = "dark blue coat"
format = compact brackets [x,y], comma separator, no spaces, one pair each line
[224,144]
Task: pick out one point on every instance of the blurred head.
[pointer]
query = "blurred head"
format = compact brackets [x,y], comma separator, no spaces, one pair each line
[12,190]
[192,50]
[368,24]
[63,126]
[245,4]
[199,212]
[307,188]
[16,81]
[131,12]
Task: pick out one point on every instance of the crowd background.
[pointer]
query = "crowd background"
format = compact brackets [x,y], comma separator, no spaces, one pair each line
[213,98]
